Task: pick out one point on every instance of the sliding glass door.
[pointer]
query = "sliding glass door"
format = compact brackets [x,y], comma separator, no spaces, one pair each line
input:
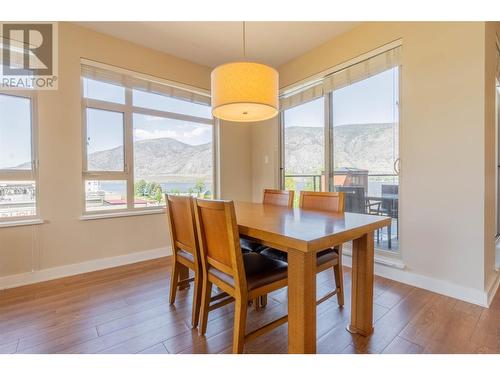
[365,133]
[341,133]
[304,147]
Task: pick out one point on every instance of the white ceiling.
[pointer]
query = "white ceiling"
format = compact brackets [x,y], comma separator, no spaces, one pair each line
[214,43]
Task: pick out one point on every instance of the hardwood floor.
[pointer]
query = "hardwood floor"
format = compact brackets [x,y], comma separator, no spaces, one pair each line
[126,310]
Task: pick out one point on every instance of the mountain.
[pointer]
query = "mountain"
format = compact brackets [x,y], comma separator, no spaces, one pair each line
[363,146]
[158,158]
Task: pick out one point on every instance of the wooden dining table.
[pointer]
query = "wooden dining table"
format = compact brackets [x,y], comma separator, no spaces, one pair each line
[301,234]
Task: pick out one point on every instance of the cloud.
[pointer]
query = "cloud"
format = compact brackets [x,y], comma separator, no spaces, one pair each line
[141,134]
[194,136]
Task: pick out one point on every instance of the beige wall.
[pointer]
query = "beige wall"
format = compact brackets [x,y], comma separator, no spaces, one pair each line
[235,163]
[65,239]
[265,157]
[446,149]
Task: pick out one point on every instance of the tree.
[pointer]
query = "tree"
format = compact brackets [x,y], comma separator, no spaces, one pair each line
[175,191]
[147,189]
[289,183]
[158,194]
[151,188]
[199,187]
[140,188]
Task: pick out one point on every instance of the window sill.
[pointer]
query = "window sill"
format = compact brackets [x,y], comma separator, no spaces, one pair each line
[21,223]
[110,215]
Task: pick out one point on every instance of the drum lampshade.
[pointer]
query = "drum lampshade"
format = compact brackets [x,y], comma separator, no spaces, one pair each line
[244,92]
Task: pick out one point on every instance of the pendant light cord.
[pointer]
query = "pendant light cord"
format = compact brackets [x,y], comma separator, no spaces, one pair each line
[244,41]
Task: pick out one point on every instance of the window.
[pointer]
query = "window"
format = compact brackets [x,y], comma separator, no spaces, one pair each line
[18,176]
[341,133]
[105,140]
[103,91]
[143,140]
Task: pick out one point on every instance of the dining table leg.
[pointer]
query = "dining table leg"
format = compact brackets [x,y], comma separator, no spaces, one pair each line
[301,302]
[362,285]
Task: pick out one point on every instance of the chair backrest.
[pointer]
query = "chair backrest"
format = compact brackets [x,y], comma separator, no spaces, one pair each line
[278,197]
[322,201]
[354,197]
[390,189]
[219,238]
[180,212]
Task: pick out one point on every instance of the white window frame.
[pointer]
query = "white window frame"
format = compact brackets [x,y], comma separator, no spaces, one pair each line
[128,110]
[25,175]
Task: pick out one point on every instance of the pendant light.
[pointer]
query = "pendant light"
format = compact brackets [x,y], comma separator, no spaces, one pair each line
[244,91]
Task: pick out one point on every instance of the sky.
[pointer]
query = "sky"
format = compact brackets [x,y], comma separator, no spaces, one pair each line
[368,101]
[149,127]
[15,131]
[104,130]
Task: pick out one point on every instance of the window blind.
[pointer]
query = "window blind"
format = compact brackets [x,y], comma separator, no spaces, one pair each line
[345,77]
[134,82]
[363,70]
[301,96]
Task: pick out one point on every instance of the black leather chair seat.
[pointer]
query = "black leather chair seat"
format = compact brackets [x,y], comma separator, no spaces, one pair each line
[322,257]
[260,270]
[248,246]
[326,256]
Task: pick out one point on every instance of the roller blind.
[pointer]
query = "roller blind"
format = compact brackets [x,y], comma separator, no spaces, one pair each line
[363,70]
[302,96]
[134,82]
[345,77]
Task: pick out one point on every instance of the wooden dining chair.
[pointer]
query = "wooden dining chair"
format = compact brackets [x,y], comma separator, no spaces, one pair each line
[243,276]
[328,258]
[185,249]
[273,197]
[278,197]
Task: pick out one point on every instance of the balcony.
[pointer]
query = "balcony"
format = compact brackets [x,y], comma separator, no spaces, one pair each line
[374,194]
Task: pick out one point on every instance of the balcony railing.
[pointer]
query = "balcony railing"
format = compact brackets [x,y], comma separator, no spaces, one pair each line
[312,182]
[316,182]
